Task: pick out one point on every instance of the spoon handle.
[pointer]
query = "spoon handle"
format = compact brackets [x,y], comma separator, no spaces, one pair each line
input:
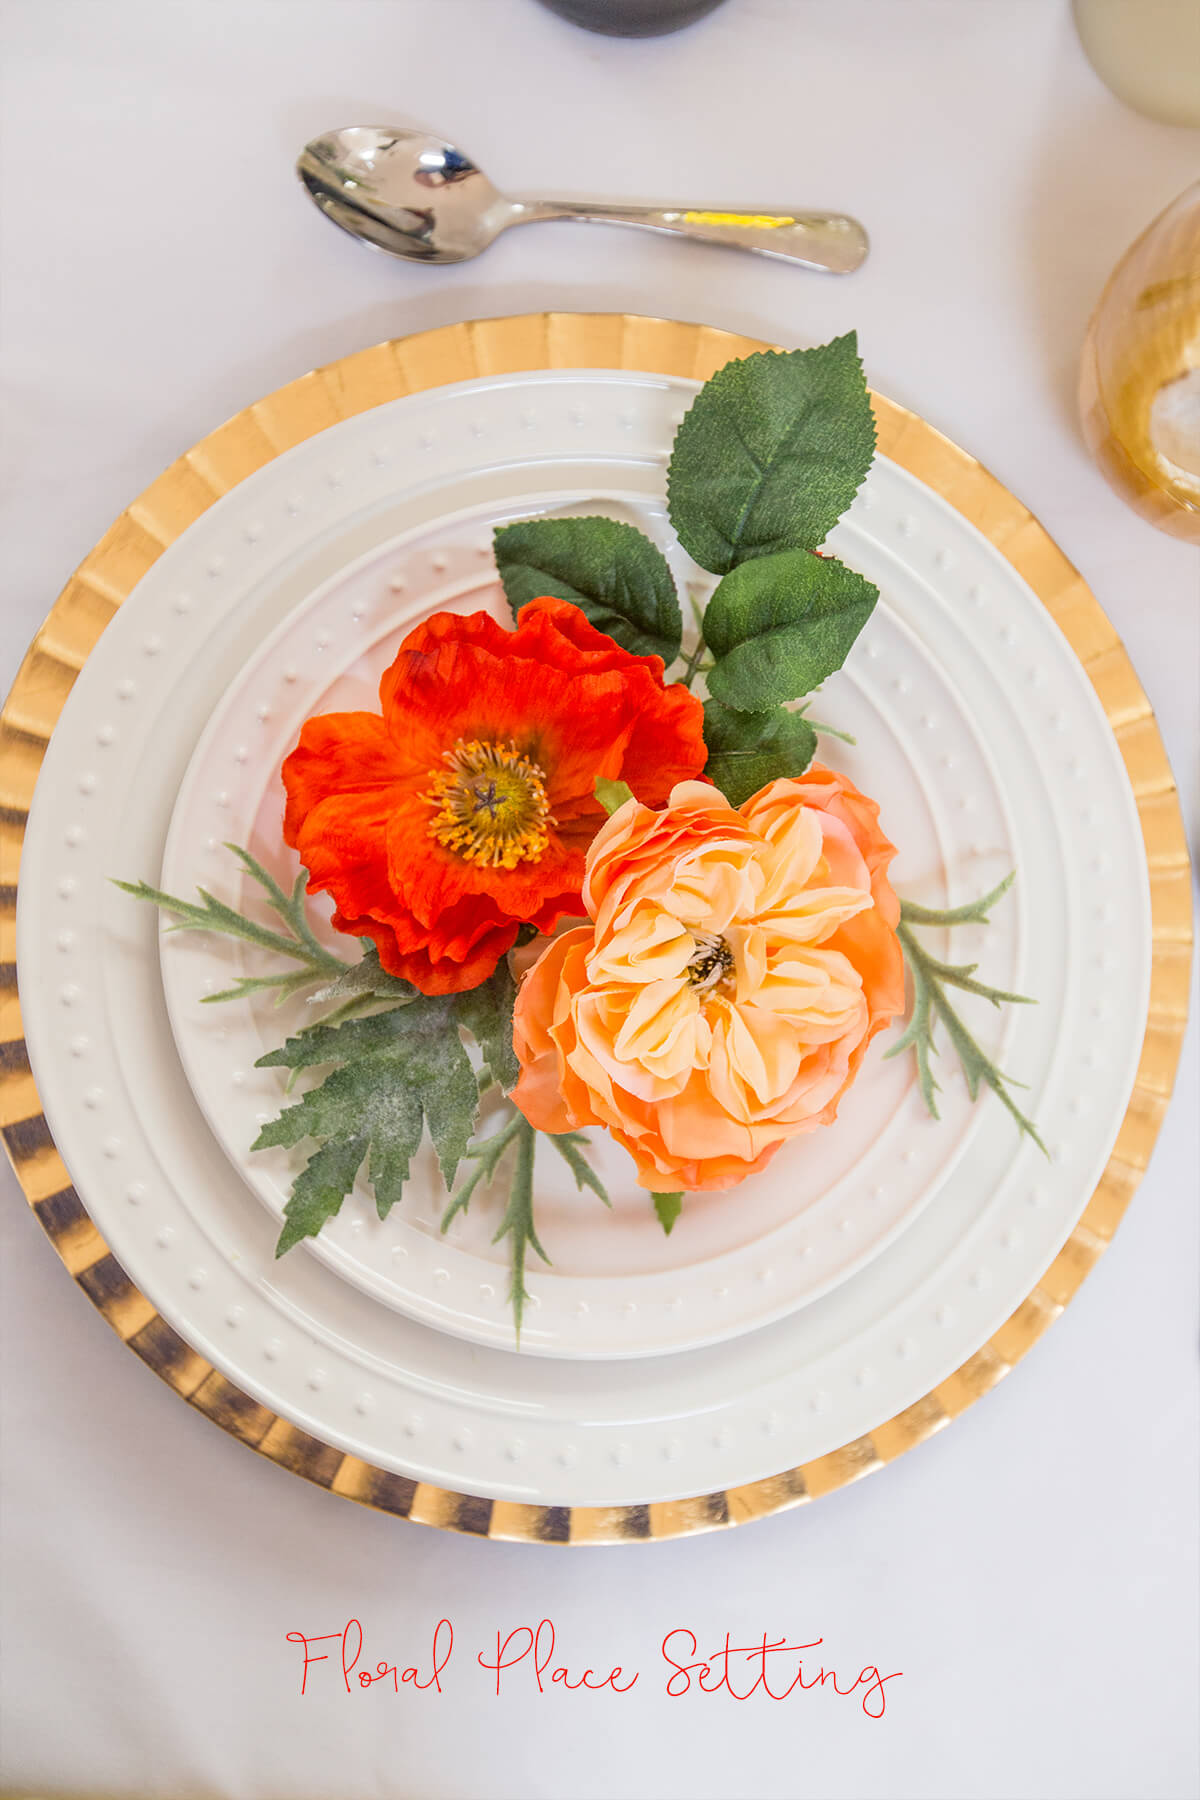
[816,240]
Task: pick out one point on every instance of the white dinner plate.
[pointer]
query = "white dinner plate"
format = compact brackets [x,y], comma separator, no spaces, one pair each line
[616,1286]
[978,732]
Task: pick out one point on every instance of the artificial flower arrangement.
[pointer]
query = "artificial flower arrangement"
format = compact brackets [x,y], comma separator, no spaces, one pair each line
[708,936]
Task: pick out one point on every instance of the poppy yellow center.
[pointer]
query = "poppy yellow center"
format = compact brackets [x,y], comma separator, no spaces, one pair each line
[491,805]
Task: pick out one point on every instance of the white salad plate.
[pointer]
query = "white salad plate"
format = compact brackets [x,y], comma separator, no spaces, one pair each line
[777,1322]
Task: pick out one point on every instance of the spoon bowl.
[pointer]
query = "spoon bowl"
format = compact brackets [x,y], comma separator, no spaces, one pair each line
[404,191]
[413,195]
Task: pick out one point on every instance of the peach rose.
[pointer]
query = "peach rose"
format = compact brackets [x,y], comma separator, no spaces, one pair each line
[737,964]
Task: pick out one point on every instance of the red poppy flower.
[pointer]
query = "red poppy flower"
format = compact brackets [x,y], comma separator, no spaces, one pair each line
[467,809]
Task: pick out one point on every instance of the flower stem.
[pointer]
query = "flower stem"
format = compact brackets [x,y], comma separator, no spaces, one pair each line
[692,666]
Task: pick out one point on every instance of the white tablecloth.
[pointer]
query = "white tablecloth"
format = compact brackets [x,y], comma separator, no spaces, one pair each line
[1032,1569]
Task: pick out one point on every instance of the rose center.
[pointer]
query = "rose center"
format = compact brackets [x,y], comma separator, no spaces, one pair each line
[490,804]
[711,964]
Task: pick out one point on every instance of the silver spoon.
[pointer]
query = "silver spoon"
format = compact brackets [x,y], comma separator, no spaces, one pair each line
[407,192]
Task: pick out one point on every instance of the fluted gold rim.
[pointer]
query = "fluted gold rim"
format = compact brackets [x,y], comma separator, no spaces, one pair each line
[409,365]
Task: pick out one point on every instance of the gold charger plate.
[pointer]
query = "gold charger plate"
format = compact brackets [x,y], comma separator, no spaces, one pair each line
[409,365]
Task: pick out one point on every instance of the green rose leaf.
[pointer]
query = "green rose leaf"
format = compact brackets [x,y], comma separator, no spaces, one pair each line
[770,454]
[780,625]
[747,750]
[613,573]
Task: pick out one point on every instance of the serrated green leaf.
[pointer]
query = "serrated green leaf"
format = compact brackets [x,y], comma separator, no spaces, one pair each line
[319,1190]
[611,571]
[365,979]
[747,750]
[781,625]
[770,454]
[396,1072]
[668,1207]
[486,1012]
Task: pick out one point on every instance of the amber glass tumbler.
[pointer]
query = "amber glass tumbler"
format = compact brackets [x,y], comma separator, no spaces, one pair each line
[1140,381]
